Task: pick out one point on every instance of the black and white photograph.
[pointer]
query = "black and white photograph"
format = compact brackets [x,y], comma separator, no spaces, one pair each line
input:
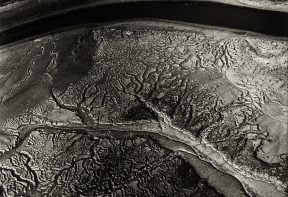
[143,98]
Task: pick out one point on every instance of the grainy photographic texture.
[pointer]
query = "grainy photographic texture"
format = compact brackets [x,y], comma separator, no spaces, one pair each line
[144,108]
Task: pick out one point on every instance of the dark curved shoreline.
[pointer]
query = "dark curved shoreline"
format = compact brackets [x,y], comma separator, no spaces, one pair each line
[205,13]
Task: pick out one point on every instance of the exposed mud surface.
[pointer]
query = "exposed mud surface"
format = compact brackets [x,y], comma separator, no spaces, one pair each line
[118,109]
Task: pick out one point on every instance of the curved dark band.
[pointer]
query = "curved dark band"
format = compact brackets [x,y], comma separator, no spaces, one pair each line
[207,13]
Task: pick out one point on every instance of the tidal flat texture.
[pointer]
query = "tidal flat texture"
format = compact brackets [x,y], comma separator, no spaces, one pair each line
[144,109]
